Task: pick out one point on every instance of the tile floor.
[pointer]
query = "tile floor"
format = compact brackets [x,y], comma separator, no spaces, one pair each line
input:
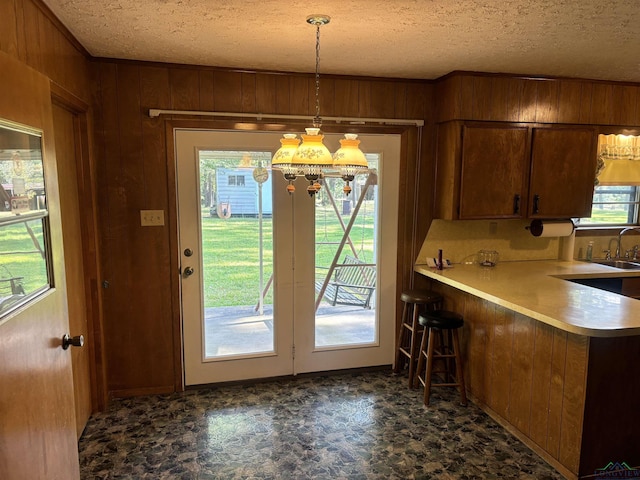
[341,426]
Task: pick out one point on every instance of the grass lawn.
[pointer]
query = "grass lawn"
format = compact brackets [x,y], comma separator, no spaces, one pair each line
[231,261]
[20,258]
[611,217]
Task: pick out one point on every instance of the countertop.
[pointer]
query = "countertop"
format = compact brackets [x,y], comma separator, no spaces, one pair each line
[540,290]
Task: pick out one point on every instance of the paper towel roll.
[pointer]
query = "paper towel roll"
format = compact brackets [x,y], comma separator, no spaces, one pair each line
[540,228]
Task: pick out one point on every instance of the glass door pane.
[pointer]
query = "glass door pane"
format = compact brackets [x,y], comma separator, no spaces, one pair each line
[346,261]
[237,252]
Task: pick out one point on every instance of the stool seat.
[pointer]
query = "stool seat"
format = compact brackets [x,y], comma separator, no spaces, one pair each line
[420,297]
[442,319]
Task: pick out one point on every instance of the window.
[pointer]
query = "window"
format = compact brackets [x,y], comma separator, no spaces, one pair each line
[25,264]
[237,180]
[614,205]
[616,197]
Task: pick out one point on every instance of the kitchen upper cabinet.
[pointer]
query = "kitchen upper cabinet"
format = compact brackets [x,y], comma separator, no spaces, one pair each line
[492,170]
[563,169]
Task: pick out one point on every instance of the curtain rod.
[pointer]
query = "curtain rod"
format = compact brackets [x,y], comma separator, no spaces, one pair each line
[155,112]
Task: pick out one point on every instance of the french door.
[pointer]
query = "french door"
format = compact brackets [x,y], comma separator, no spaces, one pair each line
[260,267]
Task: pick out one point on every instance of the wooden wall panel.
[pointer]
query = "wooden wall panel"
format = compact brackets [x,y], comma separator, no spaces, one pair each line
[249,92]
[573,399]
[585,102]
[569,97]
[299,97]
[501,361]
[624,108]
[558,356]
[447,98]
[31,34]
[602,104]
[481,99]
[206,90]
[476,314]
[346,97]
[522,373]
[499,107]
[541,383]
[488,97]
[282,93]
[266,101]
[227,91]
[547,102]
[185,89]
[9,30]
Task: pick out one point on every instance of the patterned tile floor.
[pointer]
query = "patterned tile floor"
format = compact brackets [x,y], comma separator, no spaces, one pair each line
[346,426]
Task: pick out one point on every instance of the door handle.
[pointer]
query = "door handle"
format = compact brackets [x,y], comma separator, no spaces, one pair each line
[536,203]
[68,341]
[188,271]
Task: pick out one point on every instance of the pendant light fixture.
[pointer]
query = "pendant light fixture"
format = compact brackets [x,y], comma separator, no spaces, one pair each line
[312,158]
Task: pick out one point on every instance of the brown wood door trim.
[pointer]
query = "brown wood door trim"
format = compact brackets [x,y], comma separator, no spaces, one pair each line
[408,195]
[91,251]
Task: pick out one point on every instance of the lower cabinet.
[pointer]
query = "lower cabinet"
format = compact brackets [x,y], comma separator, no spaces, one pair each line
[570,398]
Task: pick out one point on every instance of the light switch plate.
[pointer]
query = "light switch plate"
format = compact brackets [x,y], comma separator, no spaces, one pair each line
[151,218]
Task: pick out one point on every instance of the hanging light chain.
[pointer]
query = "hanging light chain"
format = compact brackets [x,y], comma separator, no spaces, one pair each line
[318,21]
[317,121]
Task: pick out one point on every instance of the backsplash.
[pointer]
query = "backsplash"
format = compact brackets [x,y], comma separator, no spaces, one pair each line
[460,240]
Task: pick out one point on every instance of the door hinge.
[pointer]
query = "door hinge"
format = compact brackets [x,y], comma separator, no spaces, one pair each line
[293,351]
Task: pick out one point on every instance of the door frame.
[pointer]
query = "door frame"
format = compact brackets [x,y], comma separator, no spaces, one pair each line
[86,180]
[411,144]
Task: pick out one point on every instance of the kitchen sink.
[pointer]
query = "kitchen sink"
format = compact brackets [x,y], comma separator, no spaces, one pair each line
[623,264]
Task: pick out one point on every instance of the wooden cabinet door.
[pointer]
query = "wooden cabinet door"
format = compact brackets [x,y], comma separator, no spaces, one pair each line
[563,166]
[494,172]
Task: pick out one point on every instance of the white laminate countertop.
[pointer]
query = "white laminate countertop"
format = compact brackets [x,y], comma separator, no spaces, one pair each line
[539,289]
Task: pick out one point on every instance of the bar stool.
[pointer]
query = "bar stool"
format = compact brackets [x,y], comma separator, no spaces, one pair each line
[408,335]
[436,324]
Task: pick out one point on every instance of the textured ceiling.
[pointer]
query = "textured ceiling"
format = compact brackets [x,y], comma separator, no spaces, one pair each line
[597,39]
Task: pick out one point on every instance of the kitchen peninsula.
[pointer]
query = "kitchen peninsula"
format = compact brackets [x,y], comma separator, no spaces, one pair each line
[555,362]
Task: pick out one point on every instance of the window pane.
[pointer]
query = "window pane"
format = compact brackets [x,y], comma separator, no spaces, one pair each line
[24,256]
[613,205]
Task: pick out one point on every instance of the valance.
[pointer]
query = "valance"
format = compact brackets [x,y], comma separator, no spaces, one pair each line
[618,160]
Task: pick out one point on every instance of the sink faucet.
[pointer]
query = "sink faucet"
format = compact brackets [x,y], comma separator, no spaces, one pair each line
[622,232]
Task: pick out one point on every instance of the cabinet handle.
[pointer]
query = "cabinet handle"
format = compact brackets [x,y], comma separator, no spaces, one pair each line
[516,203]
[536,203]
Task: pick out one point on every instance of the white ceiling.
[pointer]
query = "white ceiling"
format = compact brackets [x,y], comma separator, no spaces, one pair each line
[425,39]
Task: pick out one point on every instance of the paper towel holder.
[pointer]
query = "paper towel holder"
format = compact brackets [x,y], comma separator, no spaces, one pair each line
[558,228]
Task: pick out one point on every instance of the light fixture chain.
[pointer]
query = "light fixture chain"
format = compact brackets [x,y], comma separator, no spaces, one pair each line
[317,120]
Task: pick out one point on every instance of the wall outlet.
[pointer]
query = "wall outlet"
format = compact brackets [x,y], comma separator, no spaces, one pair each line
[151,218]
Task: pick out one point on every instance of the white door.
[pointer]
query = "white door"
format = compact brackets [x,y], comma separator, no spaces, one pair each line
[248,260]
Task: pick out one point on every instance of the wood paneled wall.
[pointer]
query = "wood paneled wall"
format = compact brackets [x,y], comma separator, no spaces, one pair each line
[134,175]
[476,96]
[31,34]
[528,375]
